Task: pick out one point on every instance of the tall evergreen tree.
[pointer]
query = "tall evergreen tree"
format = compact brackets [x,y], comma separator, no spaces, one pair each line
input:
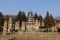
[52,20]
[23,16]
[40,19]
[19,18]
[1,22]
[35,16]
[47,21]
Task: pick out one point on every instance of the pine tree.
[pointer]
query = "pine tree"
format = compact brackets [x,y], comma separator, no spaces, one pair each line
[19,18]
[52,20]
[35,16]
[23,17]
[1,22]
[40,19]
[47,21]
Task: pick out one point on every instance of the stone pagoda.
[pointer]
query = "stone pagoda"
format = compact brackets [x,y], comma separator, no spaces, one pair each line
[30,21]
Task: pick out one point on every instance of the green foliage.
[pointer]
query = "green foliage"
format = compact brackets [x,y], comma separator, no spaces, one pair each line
[35,16]
[52,20]
[20,17]
[1,22]
[49,21]
[40,19]
[23,16]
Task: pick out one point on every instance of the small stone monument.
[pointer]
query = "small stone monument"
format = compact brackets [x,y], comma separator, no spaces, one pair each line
[9,24]
[37,24]
[23,26]
[5,28]
[17,25]
[30,21]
